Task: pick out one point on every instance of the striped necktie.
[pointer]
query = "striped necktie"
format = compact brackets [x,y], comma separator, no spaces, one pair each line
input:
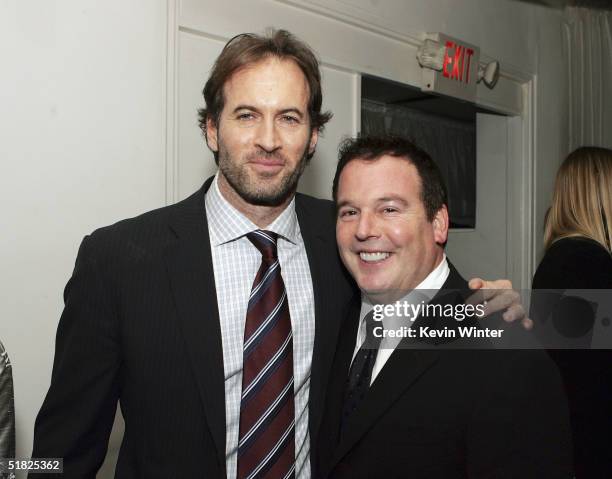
[266,446]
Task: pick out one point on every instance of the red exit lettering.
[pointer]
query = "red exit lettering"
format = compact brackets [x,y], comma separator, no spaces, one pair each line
[456,64]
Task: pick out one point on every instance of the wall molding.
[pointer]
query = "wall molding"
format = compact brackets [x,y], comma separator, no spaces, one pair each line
[375,24]
[171,127]
[365,20]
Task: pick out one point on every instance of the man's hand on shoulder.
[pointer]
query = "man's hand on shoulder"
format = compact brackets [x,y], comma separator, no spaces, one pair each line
[499,296]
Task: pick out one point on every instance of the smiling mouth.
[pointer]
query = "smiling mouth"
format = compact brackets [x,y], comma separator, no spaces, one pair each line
[374,257]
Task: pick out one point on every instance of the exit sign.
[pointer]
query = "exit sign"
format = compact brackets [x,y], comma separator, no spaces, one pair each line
[459,72]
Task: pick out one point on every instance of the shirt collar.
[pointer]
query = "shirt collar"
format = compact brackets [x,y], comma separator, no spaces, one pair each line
[437,278]
[226,223]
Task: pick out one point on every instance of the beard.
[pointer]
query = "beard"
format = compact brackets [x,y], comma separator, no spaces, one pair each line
[254,189]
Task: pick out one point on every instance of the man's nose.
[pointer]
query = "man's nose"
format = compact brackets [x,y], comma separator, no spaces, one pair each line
[268,138]
[367,226]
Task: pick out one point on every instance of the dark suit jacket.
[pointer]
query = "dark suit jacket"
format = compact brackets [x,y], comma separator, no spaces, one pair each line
[141,326]
[439,413]
[7,407]
[579,263]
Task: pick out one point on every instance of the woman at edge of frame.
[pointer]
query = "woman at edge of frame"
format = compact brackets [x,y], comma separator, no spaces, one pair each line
[578,243]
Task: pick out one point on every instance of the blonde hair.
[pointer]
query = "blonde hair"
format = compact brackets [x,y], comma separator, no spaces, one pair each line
[582,200]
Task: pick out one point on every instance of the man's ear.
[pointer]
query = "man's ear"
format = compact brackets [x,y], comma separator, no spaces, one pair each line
[211,135]
[440,225]
[314,137]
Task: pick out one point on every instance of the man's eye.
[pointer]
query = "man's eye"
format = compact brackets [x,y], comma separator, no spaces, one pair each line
[346,213]
[389,209]
[246,116]
[290,119]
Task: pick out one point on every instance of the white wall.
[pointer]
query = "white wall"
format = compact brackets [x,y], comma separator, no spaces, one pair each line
[81,145]
[83,127]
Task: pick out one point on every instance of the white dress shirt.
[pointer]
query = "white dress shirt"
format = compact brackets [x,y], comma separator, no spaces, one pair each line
[235,263]
[434,281]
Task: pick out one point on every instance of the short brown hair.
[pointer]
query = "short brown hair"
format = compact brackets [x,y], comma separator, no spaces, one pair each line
[248,48]
[582,199]
[371,148]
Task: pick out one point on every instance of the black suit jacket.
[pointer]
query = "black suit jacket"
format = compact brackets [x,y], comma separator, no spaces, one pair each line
[439,413]
[579,263]
[141,325]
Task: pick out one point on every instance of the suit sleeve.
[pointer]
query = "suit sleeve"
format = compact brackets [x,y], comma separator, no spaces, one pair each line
[77,415]
[521,426]
[7,407]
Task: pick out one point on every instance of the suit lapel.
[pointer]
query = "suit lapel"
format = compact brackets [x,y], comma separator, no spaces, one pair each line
[319,240]
[190,268]
[399,374]
[340,372]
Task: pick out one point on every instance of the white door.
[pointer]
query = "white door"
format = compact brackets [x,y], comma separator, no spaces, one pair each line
[483,251]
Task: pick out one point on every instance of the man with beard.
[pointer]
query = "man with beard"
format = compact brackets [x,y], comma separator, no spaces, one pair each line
[181,314]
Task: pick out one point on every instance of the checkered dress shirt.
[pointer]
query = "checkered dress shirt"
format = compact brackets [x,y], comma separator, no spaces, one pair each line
[235,264]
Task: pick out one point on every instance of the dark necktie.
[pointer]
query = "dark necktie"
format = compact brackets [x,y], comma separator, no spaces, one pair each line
[266,446]
[360,374]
